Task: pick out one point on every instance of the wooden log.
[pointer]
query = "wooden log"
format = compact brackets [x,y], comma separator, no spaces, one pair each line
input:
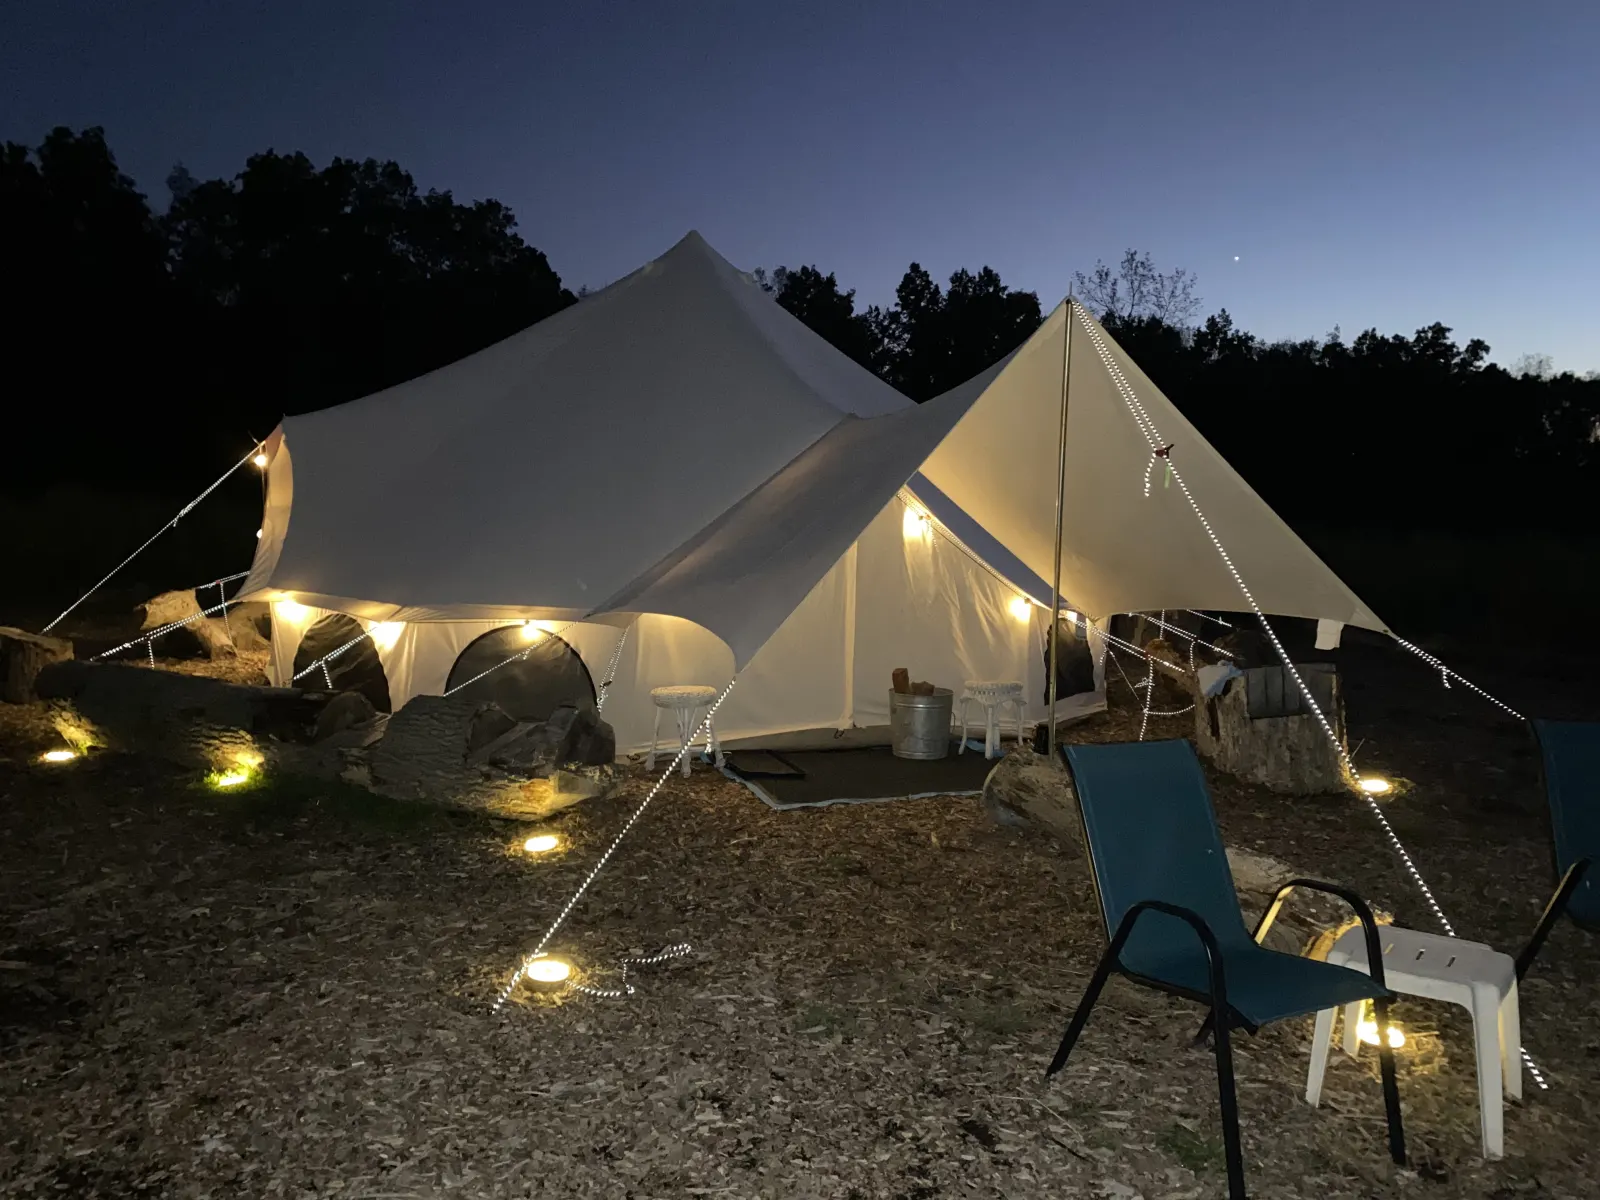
[186,719]
[211,635]
[22,656]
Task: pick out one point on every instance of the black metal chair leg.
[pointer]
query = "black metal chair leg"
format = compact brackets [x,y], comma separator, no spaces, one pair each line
[1204,1031]
[1391,1086]
[1226,1094]
[1552,913]
[1085,1006]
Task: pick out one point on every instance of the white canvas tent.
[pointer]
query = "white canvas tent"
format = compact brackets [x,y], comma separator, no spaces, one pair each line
[678,456]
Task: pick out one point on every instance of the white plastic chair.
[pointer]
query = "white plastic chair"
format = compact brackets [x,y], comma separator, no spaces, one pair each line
[994,696]
[1475,976]
[685,703]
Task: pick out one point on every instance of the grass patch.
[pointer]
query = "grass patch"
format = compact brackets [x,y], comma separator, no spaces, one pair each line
[817,1020]
[1196,1151]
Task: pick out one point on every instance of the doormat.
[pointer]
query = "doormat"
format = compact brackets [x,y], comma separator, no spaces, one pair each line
[867,776]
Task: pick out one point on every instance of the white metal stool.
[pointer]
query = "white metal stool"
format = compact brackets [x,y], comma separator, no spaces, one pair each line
[1475,976]
[685,702]
[994,695]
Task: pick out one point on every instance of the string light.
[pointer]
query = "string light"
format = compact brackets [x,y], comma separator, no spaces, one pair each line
[680,950]
[182,513]
[583,887]
[1147,426]
[611,670]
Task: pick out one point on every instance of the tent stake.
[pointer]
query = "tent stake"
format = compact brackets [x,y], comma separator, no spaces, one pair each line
[1061,488]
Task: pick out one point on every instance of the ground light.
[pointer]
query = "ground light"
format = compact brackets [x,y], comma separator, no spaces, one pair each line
[546,972]
[542,843]
[58,756]
[1368,1030]
[1373,786]
[229,779]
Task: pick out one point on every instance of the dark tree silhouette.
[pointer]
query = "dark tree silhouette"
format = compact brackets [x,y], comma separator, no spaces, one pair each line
[145,351]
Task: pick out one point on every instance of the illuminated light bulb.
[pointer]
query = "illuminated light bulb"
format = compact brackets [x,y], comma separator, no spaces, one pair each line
[260,460]
[385,634]
[258,535]
[1020,608]
[290,611]
[1369,1034]
[1373,786]
[549,970]
[531,631]
[915,526]
[541,843]
[54,756]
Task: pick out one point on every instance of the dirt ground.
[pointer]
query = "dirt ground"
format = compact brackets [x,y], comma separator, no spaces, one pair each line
[286,991]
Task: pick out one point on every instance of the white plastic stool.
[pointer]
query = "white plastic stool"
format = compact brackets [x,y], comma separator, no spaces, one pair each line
[685,702]
[1475,976]
[993,695]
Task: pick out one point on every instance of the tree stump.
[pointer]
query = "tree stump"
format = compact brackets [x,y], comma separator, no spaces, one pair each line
[22,656]
[1262,730]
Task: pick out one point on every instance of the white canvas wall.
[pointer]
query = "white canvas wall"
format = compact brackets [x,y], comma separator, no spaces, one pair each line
[903,595]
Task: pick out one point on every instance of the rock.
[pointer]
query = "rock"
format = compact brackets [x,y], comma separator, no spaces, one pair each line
[539,798]
[343,711]
[22,656]
[489,724]
[1028,790]
[580,736]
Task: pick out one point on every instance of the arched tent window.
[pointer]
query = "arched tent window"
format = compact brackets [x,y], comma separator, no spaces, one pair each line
[356,669]
[548,674]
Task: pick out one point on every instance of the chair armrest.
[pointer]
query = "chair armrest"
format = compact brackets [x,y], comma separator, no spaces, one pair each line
[1369,923]
[1208,940]
[1552,912]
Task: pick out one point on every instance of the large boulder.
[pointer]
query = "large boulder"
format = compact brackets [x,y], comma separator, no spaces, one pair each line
[580,736]
[22,656]
[459,751]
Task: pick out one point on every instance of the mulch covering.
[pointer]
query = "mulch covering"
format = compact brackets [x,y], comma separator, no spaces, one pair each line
[874,773]
[285,992]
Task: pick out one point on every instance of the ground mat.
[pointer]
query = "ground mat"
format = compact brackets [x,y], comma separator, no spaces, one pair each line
[762,764]
[861,775]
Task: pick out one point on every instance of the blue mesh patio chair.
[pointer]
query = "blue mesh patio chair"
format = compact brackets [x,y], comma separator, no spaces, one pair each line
[1173,918]
[1570,752]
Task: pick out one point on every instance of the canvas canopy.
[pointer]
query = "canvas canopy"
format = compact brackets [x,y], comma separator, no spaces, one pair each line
[679,455]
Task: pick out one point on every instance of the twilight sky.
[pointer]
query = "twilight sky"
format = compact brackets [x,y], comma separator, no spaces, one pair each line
[1385,163]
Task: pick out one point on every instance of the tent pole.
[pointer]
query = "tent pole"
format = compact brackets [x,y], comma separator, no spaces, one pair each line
[1061,489]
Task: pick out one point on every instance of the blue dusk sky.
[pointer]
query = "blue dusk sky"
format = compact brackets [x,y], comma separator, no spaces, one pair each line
[1355,164]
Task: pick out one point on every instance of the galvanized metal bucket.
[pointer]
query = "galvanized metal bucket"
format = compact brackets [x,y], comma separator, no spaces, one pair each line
[919,726]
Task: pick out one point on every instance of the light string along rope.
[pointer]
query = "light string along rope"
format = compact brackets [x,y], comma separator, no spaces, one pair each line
[182,513]
[539,950]
[1147,426]
[149,639]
